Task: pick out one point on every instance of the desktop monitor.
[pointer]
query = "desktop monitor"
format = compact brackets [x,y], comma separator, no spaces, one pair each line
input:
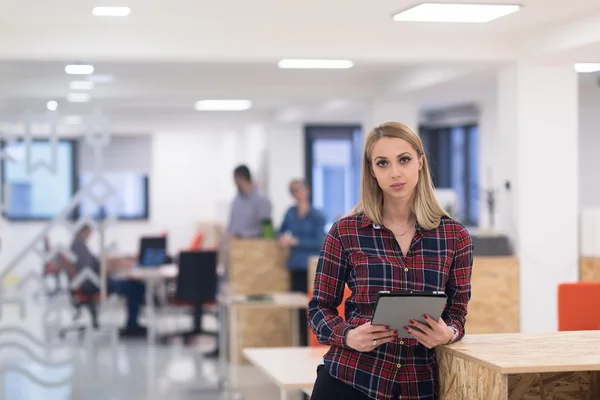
[153,251]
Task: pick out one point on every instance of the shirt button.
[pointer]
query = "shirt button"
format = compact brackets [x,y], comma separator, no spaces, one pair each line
[401,342]
[405,269]
[399,365]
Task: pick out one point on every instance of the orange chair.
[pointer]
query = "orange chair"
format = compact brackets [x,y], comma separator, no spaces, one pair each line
[197,242]
[579,306]
[312,338]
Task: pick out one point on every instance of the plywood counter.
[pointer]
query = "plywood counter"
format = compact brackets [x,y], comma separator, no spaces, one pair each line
[258,266]
[561,365]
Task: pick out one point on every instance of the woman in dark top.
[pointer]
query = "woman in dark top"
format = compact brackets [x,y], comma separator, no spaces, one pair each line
[398,238]
[302,231]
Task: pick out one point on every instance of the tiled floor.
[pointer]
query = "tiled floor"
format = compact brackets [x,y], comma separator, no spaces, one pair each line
[36,365]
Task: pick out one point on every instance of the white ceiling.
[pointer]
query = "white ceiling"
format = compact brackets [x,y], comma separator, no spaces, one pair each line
[168,54]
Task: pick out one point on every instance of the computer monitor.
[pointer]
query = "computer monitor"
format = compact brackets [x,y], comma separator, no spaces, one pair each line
[153,251]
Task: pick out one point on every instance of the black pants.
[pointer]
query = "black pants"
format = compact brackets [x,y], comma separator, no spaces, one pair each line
[300,284]
[328,388]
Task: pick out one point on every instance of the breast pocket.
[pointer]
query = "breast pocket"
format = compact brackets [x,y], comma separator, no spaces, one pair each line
[373,273]
[435,268]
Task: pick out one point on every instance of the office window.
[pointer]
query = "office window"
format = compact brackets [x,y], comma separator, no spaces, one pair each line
[453,156]
[333,156]
[38,193]
[127,197]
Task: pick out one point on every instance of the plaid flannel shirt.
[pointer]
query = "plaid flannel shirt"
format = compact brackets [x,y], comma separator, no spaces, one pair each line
[367,258]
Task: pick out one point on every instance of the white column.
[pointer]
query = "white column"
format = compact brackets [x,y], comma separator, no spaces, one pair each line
[380,111]
[489,179]
[285,159]
[538,155]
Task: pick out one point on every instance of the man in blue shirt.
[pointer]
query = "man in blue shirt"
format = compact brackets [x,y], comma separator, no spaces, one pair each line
[250,207]
[302,231]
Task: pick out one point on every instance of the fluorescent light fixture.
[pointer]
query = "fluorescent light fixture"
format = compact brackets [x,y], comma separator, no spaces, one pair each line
[586,68]
[451,12]
[52,105]
[81,85]
[79,69]
[101,78]
[111,11]
[315,64]
[78,97]
[73,120]
[223,105]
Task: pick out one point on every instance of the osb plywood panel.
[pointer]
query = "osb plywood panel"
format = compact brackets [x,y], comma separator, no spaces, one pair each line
[268,327]
[562,385]
[257,266]
[589,269]
[460,379]
[523,353]
[312,270]
[494,305]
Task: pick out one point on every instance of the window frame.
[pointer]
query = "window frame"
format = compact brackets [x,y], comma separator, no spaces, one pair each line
[74,180]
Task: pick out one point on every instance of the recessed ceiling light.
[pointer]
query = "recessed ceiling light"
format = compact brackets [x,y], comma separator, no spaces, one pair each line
[73,119]
[101,78]
[78,97]
[223,105]
[583,68]
[111,11]
[315,64]
[81,85]
[79,69]
[52,105]
[449,12]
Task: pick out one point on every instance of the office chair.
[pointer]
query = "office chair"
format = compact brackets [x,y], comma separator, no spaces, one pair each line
[196,286]
[579,306]
[86,295]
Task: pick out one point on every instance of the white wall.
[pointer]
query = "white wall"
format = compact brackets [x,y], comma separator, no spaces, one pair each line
[589,144]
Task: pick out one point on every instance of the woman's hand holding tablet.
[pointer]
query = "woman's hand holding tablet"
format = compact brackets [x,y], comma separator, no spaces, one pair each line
[431,334]
[367,337]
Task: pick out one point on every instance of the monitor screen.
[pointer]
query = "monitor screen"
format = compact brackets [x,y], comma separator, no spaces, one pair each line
[153,251]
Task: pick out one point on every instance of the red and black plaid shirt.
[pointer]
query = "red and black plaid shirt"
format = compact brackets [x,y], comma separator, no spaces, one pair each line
[367,257]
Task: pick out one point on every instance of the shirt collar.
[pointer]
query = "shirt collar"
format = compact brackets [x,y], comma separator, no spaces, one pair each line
[366,221]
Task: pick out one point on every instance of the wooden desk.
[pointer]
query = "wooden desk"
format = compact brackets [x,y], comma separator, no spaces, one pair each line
[290,368]
[561,365]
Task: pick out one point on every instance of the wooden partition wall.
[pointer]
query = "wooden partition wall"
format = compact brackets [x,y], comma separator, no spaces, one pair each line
[589,269]
[495,300]
[258,266]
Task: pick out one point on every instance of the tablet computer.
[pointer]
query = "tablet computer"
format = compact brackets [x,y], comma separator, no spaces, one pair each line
[396,309]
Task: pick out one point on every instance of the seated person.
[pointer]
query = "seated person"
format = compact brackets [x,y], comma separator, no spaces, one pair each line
[132,290]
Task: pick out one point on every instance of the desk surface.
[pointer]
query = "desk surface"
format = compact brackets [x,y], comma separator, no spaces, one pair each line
[277,300]
[167,271]
[290,368]
[518,353]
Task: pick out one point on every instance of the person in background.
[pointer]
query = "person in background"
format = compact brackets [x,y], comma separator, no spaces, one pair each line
[398,238]
[132,290]
[302,231]
[250,206]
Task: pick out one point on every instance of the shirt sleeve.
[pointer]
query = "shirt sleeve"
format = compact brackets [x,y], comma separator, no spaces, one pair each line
[328,292]
[458,287]
[285,224]
[313,240]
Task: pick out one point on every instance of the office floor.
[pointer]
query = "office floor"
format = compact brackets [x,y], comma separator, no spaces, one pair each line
[35,364]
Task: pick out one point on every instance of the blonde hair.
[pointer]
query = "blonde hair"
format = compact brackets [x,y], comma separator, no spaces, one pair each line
[424,203]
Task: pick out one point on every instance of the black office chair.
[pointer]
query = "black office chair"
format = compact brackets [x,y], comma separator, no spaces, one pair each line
[196,286]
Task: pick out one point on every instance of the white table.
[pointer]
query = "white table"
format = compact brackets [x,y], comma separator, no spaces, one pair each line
[290,300]
[290,368]
[152,276]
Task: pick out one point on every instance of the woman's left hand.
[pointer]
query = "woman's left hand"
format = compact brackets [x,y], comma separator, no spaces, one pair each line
[433,333]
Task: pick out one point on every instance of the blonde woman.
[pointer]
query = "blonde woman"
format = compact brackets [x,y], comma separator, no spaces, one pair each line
[397,238]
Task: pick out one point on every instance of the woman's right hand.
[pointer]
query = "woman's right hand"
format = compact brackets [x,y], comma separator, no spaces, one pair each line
[367,337]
